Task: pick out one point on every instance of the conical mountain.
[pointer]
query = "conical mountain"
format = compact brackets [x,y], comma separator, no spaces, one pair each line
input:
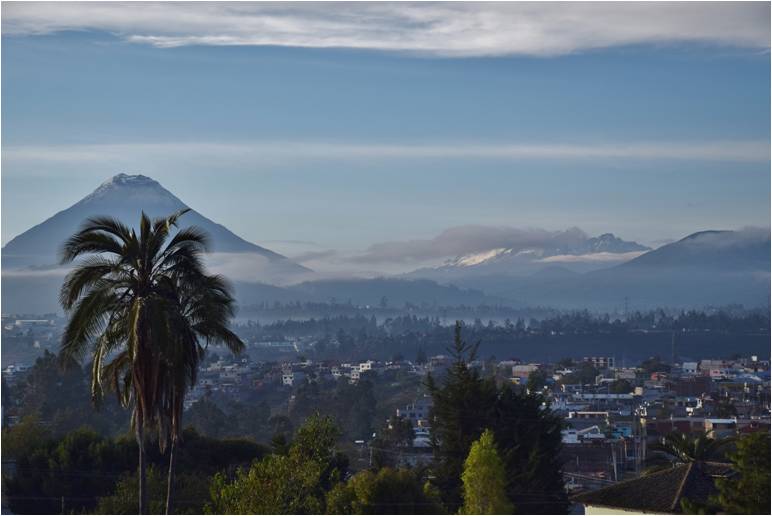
[125,197]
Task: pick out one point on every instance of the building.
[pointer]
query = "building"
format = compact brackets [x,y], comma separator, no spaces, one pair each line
[689,368]
[659,492]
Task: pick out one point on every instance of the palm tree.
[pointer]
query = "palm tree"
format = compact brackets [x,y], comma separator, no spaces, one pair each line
[682,448]
[137,303]
[202,311]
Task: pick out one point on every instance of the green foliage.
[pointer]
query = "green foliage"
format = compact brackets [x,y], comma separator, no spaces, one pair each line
[352,405]
[83,467]
[485,479]
[19,440]
[78,467]
[278,484]
[206,417]
[749,491]
[124,499]
[295,483]
[528,435]
[462,406]
[389,491]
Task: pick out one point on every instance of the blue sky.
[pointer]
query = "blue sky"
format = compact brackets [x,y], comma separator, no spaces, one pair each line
[651,137]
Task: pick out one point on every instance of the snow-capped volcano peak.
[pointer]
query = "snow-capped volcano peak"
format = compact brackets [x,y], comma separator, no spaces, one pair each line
[469,260]
[133,186]
[523,257]
[125,197]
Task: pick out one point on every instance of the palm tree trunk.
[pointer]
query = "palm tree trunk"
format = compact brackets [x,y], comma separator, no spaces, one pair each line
[141,470]
[170,480]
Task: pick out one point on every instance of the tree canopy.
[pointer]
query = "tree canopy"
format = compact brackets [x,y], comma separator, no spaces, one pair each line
[485,479]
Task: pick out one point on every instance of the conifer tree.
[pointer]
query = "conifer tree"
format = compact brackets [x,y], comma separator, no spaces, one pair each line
[485,479]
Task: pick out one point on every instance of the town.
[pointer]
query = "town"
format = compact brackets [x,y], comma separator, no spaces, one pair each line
[613,412]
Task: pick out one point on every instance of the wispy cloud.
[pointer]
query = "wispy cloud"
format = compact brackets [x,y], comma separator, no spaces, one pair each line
[439,29]
[260,151]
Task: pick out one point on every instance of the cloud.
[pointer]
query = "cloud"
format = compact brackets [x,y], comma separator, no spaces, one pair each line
[463,240]
[456,29]
[282,151]
[743,236]
[592,257]
[313,256]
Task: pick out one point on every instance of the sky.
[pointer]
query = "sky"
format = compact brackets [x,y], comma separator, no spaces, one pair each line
[314,128]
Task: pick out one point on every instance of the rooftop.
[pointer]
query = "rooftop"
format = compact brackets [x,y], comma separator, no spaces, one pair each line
[660,492]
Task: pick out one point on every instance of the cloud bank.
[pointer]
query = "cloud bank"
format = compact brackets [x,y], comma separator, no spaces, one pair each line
[257,151]
[436,29]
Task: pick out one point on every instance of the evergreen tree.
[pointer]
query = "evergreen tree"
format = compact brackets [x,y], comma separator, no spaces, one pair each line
[485,479]
[529,435]
[462,407]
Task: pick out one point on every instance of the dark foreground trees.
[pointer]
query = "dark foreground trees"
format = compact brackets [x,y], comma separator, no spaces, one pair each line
[527,433]
[387,491]
[680,448]
[748,492]
[139,304]
[293,483]
[87,472]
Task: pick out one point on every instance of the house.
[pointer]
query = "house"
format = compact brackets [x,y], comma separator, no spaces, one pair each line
[658,493]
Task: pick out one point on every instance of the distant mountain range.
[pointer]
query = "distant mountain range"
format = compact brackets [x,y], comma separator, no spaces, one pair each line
[573,271]
[706,268]
[577,253]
